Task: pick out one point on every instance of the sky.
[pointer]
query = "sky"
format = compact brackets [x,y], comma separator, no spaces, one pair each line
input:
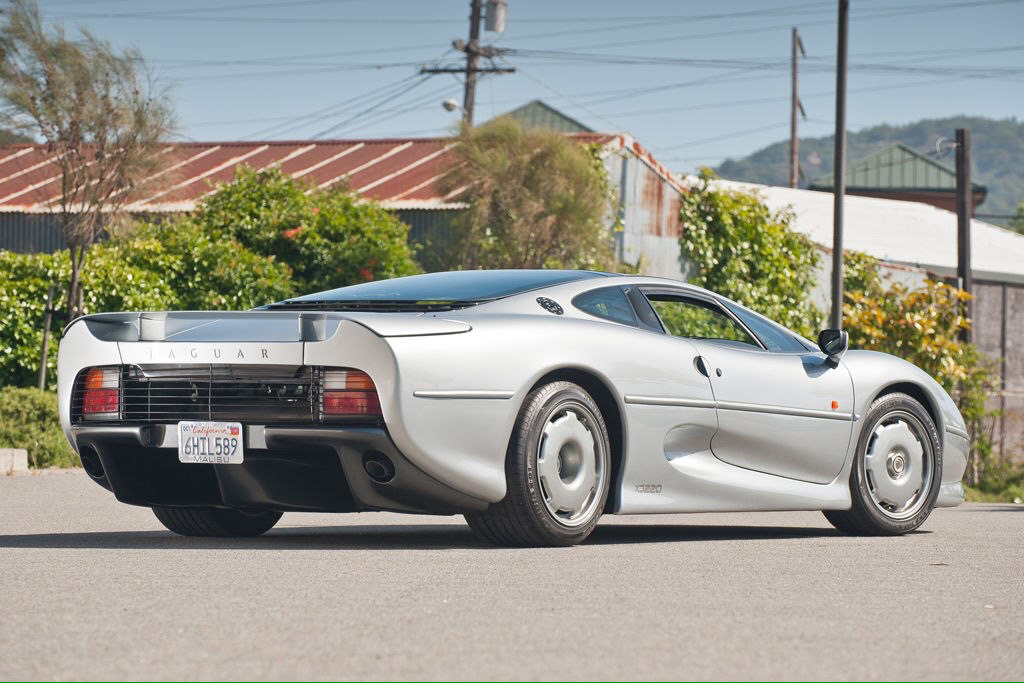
[694,82]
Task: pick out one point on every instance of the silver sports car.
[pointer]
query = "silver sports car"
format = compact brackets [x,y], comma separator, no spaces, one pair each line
[530,401]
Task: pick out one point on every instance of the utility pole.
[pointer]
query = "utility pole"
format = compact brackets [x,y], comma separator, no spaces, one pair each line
[839,188]
[474,51]
[472,60]
[964,211]
[794,140]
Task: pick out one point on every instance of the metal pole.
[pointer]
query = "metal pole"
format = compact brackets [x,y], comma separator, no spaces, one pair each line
[794,104]
[472,60]
[840,169]
[964,210]
[47,319]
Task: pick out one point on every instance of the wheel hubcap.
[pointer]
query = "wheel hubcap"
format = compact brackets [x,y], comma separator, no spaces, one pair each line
[570,467]
[897,466]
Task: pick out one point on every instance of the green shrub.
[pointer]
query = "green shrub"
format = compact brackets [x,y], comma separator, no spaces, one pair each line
[742,249]
[206,271]
[329,238]
[28,419]
[110,283]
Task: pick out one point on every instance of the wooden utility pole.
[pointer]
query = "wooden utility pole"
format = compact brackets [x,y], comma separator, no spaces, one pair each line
[840,169]
[472,60]
[474,51]
[795,104]
[964,211]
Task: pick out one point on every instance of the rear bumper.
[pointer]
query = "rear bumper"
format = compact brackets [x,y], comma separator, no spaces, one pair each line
[312,469]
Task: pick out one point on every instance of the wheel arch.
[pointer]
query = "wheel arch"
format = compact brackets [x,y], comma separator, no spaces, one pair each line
[918,393]
[600,389]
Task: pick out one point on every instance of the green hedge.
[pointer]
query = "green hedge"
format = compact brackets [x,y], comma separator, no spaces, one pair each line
[28,419]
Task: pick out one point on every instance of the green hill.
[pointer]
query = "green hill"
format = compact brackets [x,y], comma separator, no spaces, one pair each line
[997,156]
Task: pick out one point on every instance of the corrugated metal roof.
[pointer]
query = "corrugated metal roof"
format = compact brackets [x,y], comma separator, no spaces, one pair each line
[401,173]
[909,233]
[539,114]
[896,167]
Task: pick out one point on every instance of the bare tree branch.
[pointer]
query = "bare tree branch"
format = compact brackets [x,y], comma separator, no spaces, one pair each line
[97,112]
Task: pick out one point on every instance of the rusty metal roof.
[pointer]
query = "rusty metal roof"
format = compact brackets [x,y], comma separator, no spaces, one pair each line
[401,173]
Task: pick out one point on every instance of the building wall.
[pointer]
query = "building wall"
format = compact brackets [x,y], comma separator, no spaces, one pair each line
[649,225]
[999,333]
[29,233]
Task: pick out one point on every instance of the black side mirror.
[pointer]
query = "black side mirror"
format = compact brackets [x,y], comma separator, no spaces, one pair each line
[833,343]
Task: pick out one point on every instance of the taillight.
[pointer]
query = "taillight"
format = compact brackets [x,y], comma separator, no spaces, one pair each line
[101,395]
[348,393]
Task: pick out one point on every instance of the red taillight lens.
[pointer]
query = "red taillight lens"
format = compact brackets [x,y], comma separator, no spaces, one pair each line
[101,396]
[100,401]
[349,393]
[351,403]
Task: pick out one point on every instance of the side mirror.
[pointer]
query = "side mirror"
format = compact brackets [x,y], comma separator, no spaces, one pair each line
[833,343]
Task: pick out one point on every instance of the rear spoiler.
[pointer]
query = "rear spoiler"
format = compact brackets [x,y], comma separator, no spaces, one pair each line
[267,326]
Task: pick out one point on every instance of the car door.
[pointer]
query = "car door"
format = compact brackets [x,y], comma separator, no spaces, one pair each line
[782,409]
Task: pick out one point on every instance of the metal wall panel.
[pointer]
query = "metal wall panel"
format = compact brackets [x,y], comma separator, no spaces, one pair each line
[30,233]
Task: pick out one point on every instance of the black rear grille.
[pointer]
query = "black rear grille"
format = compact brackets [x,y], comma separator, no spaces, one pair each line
[254,393]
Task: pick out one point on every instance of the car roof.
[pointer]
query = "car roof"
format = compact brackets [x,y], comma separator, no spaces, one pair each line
[459,285]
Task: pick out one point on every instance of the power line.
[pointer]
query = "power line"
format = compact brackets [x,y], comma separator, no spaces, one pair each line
[581,106]
[371,108]
[644,22]
[252,20]
[716,138]
[323,113]
[880,13]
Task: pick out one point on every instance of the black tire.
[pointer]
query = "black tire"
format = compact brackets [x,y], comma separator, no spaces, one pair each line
[216,521]
[522,518]
[866,516]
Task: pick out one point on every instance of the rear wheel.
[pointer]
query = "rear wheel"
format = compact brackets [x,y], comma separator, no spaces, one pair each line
[896,472]
[216,521]
[556,469]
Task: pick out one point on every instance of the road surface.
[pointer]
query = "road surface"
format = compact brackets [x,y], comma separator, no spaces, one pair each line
[95,589]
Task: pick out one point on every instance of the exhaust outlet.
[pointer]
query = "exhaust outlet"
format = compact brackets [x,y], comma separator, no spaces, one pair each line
[378,467]
[91,463]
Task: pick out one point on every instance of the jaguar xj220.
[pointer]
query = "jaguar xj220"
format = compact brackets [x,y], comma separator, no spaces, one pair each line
[531,402]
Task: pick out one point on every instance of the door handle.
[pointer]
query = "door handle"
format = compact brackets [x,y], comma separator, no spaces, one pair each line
[702,368]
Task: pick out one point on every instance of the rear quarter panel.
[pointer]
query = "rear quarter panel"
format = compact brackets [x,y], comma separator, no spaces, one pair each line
[463,441]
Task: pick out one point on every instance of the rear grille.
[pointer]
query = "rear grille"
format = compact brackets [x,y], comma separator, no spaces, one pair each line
[253,393]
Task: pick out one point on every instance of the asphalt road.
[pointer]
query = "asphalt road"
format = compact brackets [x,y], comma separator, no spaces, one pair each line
[95,589]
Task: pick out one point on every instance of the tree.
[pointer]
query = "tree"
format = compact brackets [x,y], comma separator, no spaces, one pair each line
[329,238]
[1017,222]
[98,114]
[536,200]
[740,248]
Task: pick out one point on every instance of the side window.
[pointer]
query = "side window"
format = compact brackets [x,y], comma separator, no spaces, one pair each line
[698,320]
[773,337]
[609,303]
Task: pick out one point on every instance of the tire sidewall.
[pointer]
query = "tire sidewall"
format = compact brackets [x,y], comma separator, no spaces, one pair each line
[858,481]
[553,398]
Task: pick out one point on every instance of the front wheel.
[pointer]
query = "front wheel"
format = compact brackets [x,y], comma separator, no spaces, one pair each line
[216,521]
[896,472]
[557,470]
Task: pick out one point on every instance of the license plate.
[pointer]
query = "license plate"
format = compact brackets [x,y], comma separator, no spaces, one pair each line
[218,443]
